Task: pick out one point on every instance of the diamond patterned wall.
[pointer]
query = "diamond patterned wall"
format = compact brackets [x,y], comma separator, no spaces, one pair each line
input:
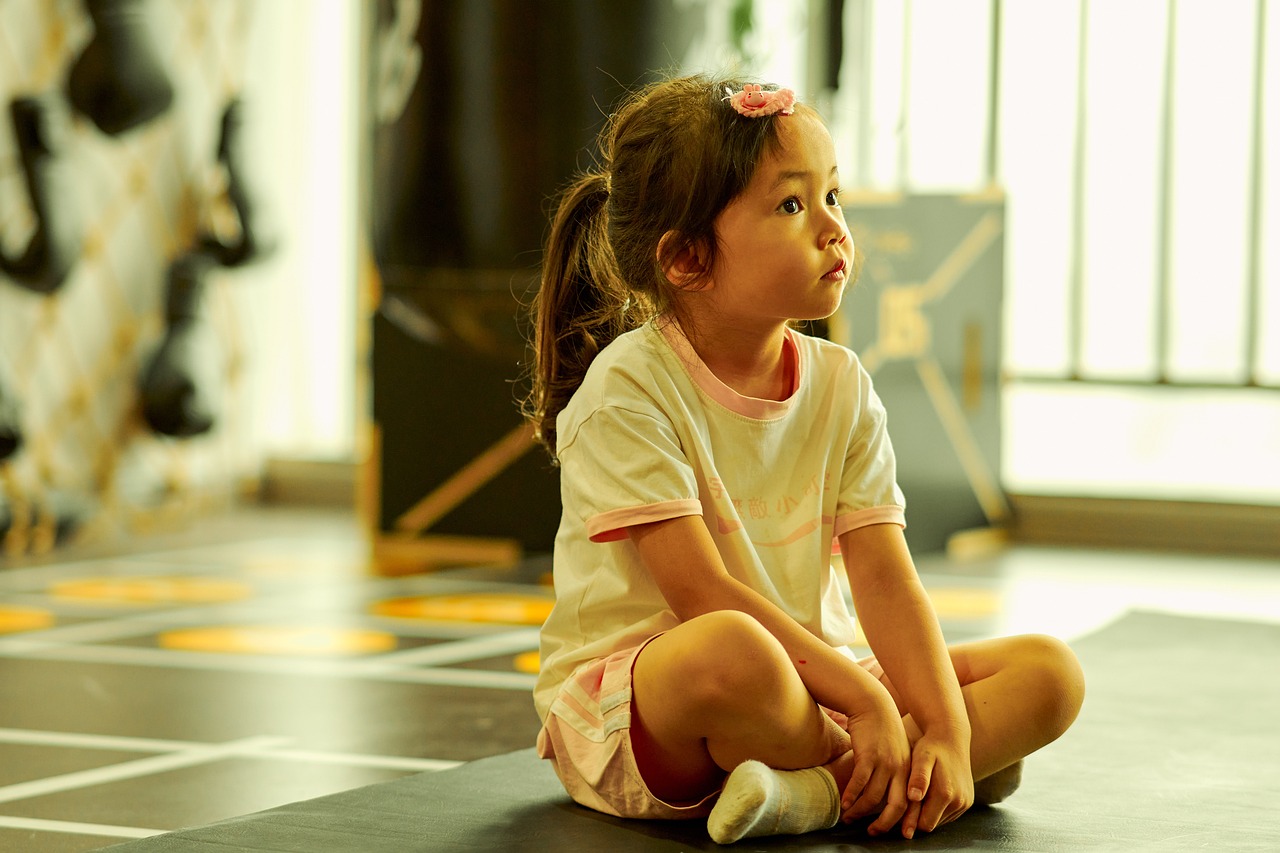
[71,360]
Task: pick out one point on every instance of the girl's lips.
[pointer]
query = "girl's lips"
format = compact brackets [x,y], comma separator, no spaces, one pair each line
[837,270]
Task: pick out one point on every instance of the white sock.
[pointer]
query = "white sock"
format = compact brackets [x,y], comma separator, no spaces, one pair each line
[998,786]
[758,800]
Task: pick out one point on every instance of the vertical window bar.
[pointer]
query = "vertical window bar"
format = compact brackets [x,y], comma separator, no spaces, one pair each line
[993,97]
[1075,280]
[904,109]
[1164,207]
[860,56]
[1253,280]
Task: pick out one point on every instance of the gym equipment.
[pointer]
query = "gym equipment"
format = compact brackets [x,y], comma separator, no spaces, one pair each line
[119,81]
[41,126]
[174,391]
[10,429]
[256,240]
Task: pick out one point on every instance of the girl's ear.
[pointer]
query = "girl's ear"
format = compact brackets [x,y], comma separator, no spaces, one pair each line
[687,267]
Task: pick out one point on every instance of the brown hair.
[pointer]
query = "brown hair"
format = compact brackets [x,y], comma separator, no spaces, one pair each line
[672,158]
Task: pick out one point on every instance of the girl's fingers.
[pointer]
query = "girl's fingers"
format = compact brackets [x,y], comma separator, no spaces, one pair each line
[853,792]
[931,811]
[911,819]
[921,775]
[884,793]
[895,807]
[870,799]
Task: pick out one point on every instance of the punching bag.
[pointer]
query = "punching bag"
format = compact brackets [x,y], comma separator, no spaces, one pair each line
[10,429]
[509,98]
[41,126]
[119,81]
[256,240]
[175,393]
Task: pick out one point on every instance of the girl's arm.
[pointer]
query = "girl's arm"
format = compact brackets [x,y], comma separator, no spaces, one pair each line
[899,622]
[682,559]
[684,563]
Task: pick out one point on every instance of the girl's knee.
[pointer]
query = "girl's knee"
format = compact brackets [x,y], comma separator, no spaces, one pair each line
[1056,673]
[726,655]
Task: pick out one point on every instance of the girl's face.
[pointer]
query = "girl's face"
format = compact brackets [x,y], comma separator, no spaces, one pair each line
[784,252]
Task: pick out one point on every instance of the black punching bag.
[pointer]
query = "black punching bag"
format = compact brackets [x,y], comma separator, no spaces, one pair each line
[175,392]
[41,127]
[256,240]
[508,101]
[119,81]
[10,428]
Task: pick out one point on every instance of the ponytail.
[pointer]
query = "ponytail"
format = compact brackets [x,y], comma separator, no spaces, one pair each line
[674,155]
[581,306]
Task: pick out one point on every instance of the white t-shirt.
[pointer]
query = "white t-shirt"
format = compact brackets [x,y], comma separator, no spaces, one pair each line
[652,434]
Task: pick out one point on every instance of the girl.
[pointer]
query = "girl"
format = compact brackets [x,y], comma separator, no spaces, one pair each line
[697,659]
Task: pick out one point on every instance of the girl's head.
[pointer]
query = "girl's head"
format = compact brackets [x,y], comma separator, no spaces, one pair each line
[671,159]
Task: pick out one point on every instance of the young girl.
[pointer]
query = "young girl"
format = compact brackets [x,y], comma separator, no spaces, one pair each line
[697,659]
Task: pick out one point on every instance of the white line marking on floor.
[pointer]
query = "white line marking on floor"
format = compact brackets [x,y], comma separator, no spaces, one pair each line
[477,648]
[360,669]
[484,678]
[73,828]
[141,767]
[75,740]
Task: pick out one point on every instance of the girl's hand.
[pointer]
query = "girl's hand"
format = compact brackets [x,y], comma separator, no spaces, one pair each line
[941,786]
[881,765]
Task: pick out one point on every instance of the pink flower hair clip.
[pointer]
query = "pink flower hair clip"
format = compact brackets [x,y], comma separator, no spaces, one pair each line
[753,101]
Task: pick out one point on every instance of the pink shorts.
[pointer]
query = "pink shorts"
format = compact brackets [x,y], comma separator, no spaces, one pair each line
[587,737]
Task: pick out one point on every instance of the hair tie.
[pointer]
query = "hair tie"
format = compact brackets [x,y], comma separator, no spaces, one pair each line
[754,101]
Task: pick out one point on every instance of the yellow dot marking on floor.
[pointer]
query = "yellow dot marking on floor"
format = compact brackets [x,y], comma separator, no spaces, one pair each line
[530,662]
[15,619]
[278,640]
[153,590]
[506,608]
[965,603]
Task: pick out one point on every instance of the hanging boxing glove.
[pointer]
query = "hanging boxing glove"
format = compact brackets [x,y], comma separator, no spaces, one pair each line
[175,388]
[255,239]
[119,81]
[42,129]
[10,429]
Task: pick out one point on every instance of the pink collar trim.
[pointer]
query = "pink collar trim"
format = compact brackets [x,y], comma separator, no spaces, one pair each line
[751,407]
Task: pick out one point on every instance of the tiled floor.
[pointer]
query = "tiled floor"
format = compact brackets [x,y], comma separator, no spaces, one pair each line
[254,661]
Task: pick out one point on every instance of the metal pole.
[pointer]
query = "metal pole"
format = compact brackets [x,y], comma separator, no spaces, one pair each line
[1075,281]
[905,97]
[1164,293]
[1253,281]
[993,95]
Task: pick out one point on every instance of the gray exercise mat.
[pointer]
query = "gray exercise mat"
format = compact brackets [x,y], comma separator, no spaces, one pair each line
[1178,748]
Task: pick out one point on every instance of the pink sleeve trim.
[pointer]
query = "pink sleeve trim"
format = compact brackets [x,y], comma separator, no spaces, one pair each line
[612,525]
[869,516]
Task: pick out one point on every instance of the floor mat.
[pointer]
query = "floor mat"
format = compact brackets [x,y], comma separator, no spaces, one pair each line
[1177,748]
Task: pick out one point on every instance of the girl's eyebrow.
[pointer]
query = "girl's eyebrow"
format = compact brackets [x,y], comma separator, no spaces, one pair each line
[799,175]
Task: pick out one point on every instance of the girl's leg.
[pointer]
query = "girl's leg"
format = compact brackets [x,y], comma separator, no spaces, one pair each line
[1021,693]
[719,694]
[698,711]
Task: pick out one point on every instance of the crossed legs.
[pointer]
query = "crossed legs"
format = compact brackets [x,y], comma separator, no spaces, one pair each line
[719,690]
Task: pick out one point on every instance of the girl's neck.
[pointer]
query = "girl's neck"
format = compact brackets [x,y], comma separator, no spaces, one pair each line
[752,363]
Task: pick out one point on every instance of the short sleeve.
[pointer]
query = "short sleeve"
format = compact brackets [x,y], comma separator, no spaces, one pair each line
[869,492]
[620,468]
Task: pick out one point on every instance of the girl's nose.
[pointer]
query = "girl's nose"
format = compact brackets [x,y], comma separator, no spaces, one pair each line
[833,232]
[833,229]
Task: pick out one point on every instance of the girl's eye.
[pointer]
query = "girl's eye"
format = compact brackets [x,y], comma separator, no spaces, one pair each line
[833,198]
[791,205]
